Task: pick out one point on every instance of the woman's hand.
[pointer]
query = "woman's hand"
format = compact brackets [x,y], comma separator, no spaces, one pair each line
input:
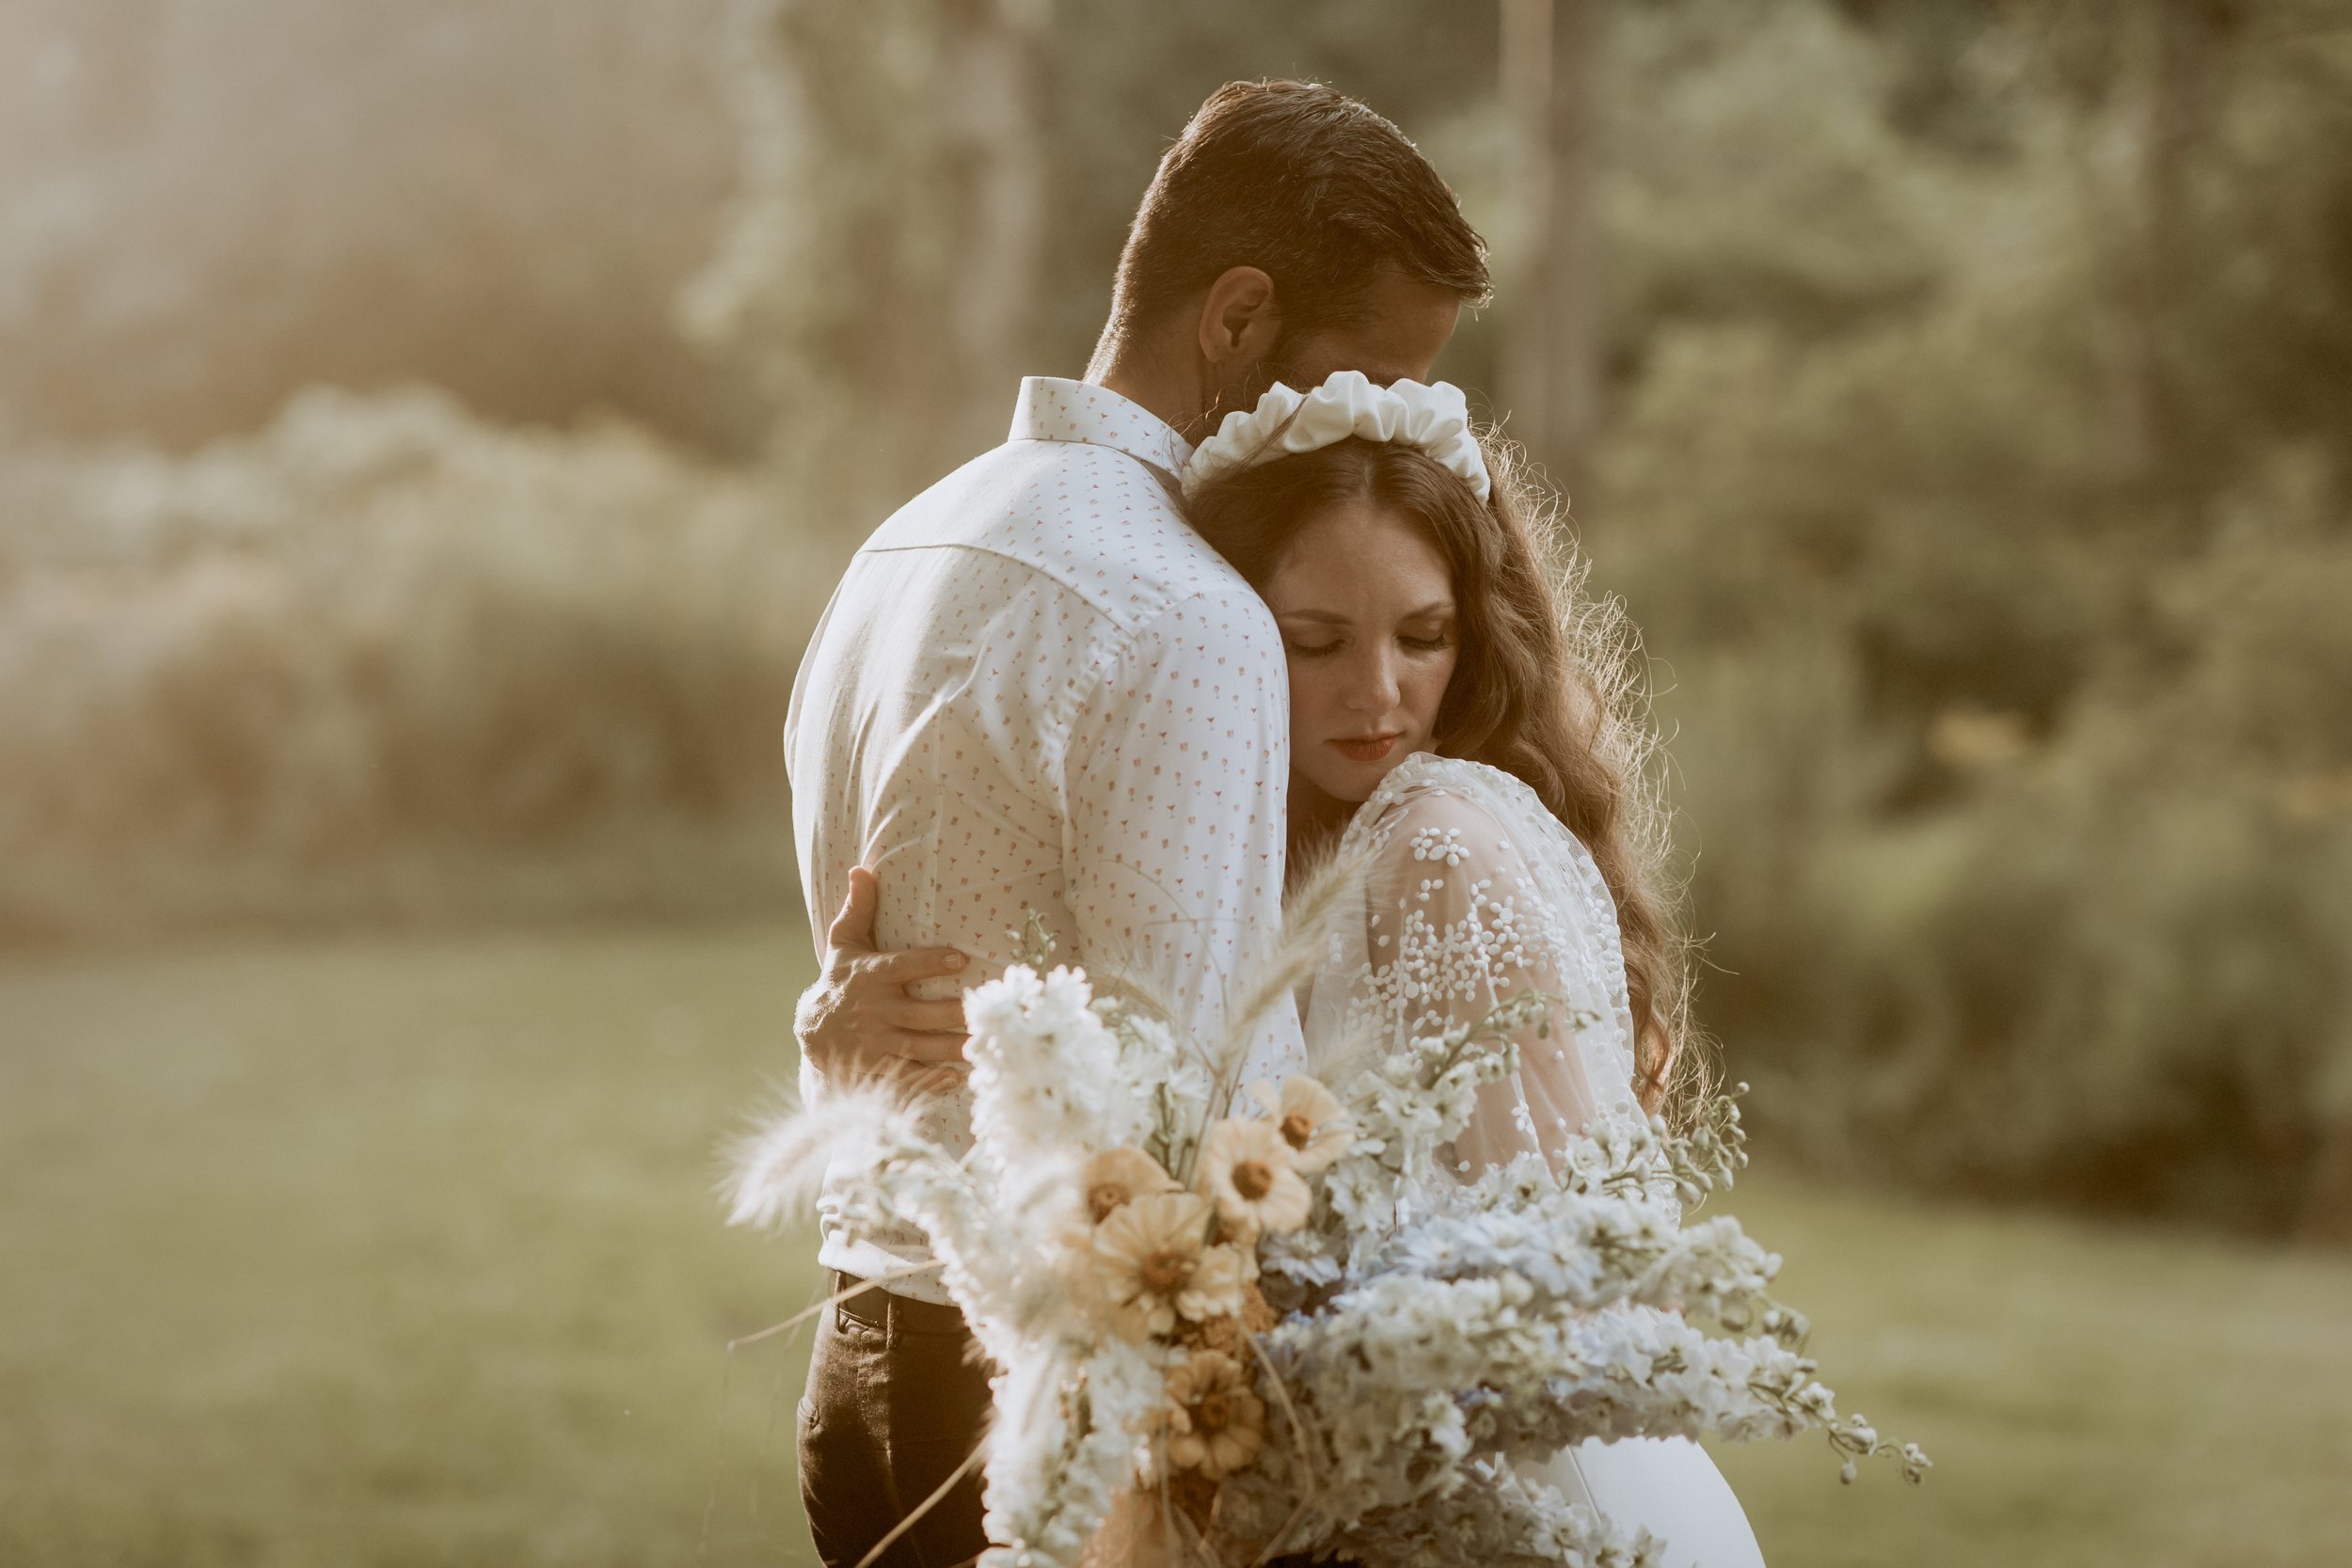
[858,1021]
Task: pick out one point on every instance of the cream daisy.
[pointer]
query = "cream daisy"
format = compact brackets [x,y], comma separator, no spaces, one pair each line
[1153,1258]
[1309,1119]
[1246,1170]
[1215,1424]
[1117,1175]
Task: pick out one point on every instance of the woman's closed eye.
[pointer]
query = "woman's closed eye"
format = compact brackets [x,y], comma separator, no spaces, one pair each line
[1430,644]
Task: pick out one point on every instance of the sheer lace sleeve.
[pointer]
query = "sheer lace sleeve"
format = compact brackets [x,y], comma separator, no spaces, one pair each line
[1473,893]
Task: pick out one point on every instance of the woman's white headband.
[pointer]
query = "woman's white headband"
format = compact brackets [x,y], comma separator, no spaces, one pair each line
[1434,418]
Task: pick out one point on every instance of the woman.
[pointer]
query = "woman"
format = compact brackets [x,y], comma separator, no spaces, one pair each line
[1472,751]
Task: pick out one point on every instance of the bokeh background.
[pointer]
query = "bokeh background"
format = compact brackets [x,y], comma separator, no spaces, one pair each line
[428,432]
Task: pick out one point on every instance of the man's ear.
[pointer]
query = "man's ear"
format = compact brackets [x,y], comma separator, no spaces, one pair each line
[1240,321]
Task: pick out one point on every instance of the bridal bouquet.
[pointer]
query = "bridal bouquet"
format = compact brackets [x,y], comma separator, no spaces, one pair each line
[1243,1324]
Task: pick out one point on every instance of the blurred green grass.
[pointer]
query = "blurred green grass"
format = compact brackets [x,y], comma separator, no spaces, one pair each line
[392,1252]
[362,1252]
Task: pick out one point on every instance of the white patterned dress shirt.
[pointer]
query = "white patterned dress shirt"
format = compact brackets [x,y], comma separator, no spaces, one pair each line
[1037,692]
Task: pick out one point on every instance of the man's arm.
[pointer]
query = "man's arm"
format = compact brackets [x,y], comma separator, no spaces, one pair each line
[1175,780]
[858,1022]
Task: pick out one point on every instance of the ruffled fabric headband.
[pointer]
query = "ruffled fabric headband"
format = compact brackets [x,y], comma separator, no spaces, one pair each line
[1434,418]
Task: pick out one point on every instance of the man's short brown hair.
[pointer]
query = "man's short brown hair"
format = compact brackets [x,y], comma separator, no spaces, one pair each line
[1308,185]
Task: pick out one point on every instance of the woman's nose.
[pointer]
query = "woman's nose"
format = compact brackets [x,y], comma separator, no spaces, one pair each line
[1373,689]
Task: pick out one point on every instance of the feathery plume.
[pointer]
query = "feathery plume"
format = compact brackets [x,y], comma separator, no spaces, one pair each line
[1317,899]
[774,1171]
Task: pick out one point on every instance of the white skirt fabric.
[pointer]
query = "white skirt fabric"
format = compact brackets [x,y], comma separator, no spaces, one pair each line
[1665,1485]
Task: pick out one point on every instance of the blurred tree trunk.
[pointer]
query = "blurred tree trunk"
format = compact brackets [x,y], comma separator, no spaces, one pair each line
[1551,356]
[2327,1202]
[2327,1210]
[2171,53]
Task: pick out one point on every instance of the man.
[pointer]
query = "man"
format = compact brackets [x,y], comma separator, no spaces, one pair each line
[1038,692]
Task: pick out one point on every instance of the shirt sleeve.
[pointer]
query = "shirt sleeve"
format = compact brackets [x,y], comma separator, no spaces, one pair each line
[1176,780]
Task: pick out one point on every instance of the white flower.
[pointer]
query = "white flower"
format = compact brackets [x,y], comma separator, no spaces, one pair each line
[1043,1067]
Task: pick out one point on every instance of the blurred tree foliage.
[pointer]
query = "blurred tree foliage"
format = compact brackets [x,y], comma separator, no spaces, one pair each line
[381,661]
[1982,481]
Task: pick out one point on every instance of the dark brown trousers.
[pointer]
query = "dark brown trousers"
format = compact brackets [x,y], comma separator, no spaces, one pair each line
[897,1399]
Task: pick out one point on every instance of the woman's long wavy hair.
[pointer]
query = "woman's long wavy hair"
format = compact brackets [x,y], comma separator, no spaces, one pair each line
[1547,687]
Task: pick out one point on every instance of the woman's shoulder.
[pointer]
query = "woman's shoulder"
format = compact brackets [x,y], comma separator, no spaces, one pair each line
[1434,814]
[1427,793]
[1459,814]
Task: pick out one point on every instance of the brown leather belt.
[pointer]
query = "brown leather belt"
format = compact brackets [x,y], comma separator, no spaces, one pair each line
[878,1308]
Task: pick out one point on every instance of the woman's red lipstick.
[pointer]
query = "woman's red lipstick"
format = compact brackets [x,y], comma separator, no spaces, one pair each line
[1366,748]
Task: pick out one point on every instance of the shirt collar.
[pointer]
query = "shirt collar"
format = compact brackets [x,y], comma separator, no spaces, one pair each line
[1052,409]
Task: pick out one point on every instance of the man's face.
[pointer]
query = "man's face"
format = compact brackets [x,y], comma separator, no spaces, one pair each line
[1405,325]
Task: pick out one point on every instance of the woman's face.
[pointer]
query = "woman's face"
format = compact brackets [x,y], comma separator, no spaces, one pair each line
[1366,606]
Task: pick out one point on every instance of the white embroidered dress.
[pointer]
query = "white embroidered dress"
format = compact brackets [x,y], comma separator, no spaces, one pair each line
[1476,893]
